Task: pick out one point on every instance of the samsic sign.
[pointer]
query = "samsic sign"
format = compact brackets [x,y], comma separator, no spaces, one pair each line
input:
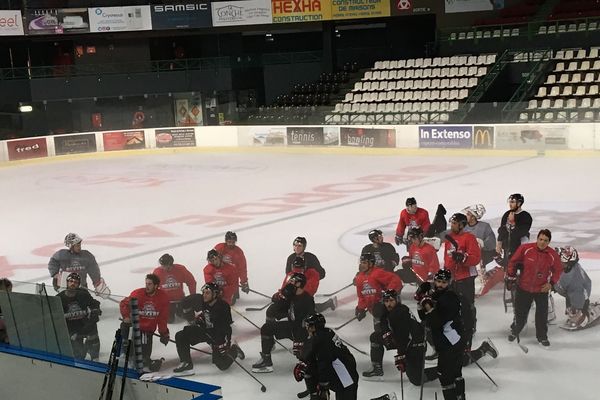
[181,15]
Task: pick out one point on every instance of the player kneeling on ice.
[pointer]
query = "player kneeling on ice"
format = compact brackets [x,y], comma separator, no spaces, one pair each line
[326,363]
[210,322]
[153,306]
[575,285]
[298,304]
[82,312]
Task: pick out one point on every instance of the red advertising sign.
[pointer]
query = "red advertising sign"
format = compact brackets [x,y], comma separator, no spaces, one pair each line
[123,140]
[27,148]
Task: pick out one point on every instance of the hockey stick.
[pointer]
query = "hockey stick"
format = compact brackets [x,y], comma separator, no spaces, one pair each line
[191,347]
[345,323]
[522,346]
[259,308]
[258,293]
[355,348]
[104,298]
[110,362]
[334,293]
[483,370]
[402,385]
[258,327]
[114,367]
[303,394]
[125,367]
[45,294]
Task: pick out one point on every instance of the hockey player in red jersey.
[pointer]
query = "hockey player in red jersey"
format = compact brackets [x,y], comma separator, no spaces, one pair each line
[153,306]
[423,258]
[221,273]
[411,217]
[234,255]
[172,278]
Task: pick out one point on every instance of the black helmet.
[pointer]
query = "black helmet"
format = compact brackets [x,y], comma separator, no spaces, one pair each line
[461,219]
[301,240]
[213,287]
[316,320]
[298,277]
[518,197]
[374,234]
[231,236]
[443,275]
[74,276]
[411,201]
[369,257]
[415,232]
[298,262]
[212,253]
[389,294]
[166,259]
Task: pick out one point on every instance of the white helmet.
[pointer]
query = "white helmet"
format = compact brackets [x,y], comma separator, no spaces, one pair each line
[478,210]
[72,239]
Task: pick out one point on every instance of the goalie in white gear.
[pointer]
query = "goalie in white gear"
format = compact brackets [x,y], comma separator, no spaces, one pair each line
[82,262]
[575,285]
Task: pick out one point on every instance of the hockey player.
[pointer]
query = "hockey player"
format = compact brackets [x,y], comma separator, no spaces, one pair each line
[153,306]
[540,270]
[76,260]
[6,286]
[575,285]
[82,313]
[172,277]
[210,322]
[223,274]
[385,253]
[422,260]
[514,228]
[370,283]
[298,305]
[411,217]
[234,255]
[326,364]
[310,260]
[312,285]
[482,231]
[440,309]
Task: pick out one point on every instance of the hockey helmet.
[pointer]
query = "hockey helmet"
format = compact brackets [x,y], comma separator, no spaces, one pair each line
[72,239]
[389,294]
[459,218]
[230,236]
[74,276]
[443,275]
[518,197]
[300,240]
[415,232]
[477,210]
[298,277]
[368,257]
[568,255]
[166,259]
[315,320]
[213,287]
[374,234]
[211,254]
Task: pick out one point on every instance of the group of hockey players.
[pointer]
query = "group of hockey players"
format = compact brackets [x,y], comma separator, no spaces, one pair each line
[445,295]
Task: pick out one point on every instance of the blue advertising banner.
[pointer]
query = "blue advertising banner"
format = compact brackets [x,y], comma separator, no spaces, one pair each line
[446,136]
[181,15]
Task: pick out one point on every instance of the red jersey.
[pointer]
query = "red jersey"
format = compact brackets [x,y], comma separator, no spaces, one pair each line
[312,279]
[153,310]
[539,267]
[225,276]
[369,286]
[420,219]
[467,244]
[234,256]
[171,282]
[424,260]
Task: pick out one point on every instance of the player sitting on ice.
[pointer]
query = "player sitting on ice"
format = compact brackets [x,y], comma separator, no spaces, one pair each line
[575,285]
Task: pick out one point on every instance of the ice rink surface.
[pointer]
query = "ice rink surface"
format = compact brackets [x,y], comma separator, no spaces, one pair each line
[130,209]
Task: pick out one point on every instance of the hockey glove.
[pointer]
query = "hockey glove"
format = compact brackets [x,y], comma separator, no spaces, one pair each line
[426,303]
[164,339]
[323,390]
[102,289]
[360,313]
[245,287]
[458,256]
[56,281]
[398,240]
[400,361]
[289,290]
[511,282]
[297,349]
[422,291]
[277,297]
[388,340]
[300,371]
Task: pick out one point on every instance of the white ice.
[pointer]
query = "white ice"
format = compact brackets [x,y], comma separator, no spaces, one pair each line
[131,209]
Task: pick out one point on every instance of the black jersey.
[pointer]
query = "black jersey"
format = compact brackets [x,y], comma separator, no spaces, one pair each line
[405,329]
[310,261]
[385,255]
[80,309]
[215,318]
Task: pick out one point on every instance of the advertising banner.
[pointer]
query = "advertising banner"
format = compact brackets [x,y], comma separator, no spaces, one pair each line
[354,9]
[458,6]
[120,19]
[532,137]
[188,111]
[27,148]
[11,23]
[483,137]
[446,136]
[300,10]
[181,15]
[72,144]
[123,140]
[409,7]
[179,137]
[311,136]
[248,12]
[267,135]
[57,21]
[363,137]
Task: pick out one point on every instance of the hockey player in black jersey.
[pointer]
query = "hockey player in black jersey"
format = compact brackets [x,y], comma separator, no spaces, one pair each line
[297,305]
[82,313]
[385,253]
[326,364]
[310,260]
[210,322]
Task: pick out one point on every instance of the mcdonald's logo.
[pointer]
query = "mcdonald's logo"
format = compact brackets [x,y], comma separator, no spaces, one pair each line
[483,137]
